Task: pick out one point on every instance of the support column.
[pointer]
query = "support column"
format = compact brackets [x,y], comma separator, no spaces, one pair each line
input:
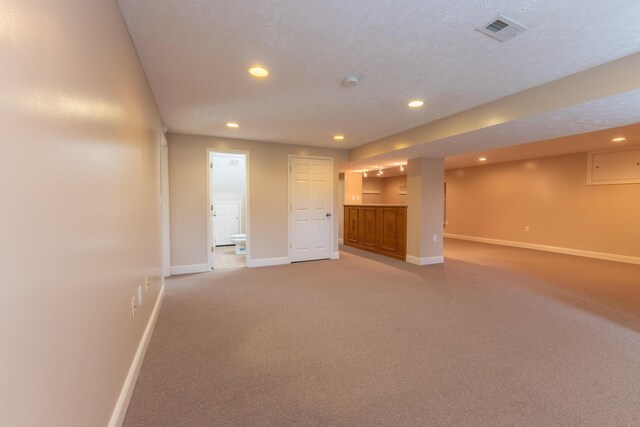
[425,212]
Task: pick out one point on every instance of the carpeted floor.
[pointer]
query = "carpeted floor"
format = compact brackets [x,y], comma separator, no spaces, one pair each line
[496,337]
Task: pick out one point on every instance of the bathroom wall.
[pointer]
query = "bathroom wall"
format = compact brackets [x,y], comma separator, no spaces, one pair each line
[81,217]
[229,182]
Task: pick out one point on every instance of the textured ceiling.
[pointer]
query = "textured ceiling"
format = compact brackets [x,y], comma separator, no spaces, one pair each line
[606,113]
[196,52]
[597,140]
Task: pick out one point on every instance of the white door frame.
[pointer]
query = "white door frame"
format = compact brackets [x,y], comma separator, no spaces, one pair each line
[247,195]
[164,202]
[289,231]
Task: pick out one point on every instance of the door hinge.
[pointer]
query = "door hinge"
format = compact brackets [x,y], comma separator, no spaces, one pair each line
[289,168]
[290,245]
[210,165]
[211,208]
[212,248]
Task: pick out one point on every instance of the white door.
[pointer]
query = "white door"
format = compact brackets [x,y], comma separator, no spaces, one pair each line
[311,184]
[226,221]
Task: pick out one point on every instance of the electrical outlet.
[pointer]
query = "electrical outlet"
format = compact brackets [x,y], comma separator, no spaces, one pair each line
[133,306]
[526,228]
[139,296]
[435,237]
[146,284]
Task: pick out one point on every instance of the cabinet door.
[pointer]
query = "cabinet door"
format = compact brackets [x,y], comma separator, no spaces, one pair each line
[388,229]
[351,226]
[369,221]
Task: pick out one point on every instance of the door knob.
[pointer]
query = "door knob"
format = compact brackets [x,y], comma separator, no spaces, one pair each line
[328,214]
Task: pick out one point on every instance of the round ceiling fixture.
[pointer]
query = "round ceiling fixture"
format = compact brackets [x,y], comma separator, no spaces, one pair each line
[350,81]
[338,137]
[233,125]
[619,139]
[415,103]
[259,72]
[482,159]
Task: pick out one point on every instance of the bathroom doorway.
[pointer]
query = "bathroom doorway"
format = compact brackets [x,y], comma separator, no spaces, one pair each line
[228,207]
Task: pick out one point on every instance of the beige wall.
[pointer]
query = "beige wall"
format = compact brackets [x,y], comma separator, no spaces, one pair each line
[391,190]
[353,188]
[268,199]
[375,185]
[80,218]
[387,190]
[550,196]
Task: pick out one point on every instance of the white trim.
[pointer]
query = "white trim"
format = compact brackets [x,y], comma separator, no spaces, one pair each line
[546,248]
[335,255]
[266,262]
[341,241]
[425,261]
[165,208]
[188,269]
[120,410]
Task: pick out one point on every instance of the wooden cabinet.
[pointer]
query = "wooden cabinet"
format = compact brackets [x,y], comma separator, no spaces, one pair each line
[377,228]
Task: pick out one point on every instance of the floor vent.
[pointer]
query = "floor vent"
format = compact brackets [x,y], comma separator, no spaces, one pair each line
[502,29]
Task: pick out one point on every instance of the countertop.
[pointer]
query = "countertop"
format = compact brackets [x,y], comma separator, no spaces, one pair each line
[379,205]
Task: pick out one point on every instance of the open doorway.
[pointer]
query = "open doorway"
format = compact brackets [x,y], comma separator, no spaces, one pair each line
[228,209]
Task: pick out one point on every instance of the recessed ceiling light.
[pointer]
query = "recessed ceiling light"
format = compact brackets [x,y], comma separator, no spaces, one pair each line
[258,72]
[338,137]
[233,125]
[620,139]
[415,104]
[482,159]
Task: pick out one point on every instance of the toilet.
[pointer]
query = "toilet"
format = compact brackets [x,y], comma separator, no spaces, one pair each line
[240,240]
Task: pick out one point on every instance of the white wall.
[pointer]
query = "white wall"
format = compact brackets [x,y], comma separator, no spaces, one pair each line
[80,215]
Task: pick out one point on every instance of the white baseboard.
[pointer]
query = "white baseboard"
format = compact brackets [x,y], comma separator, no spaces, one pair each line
[555,249]
[188,269]
[425,261]
[335,255]
[341,241]
[266,262]
[117,416]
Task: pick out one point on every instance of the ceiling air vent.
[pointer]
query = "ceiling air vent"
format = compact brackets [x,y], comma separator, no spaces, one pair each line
[502,29]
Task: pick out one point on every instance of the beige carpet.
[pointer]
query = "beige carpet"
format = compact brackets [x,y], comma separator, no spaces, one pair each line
[495,337]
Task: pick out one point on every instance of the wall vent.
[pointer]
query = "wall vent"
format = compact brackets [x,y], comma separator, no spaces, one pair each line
[502,28]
